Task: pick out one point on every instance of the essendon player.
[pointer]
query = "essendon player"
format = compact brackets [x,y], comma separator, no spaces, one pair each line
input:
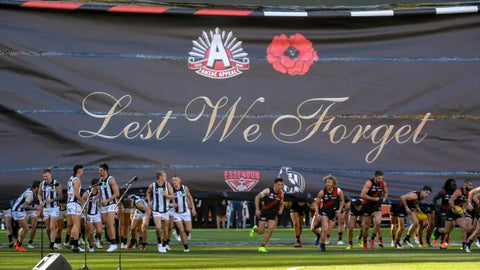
[374,193]
[448,188]
[332,201]
[272,206]
[458,198]
[407,207]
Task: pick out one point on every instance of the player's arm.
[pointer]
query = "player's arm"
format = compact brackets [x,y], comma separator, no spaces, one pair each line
[142,207]
[59,193]
[85,196]
[436,198]
[470,197]
[411,196]
[385,192]
[282,205]
[169,192]
[40,195]
[116,190]
[28,201]
[149,195]
[190,202]
[364,194]
[342,202]
[316,205]
[76,190]
[451,202]
[260,195]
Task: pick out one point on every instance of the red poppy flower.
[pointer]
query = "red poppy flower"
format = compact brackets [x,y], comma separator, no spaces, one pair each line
[292,55]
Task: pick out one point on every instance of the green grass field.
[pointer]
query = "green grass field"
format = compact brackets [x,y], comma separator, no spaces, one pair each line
[234,249]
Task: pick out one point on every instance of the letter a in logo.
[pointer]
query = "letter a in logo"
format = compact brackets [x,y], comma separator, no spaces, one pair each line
[218,55]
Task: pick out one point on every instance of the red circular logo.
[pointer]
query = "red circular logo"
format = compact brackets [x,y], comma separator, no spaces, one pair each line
[292,55]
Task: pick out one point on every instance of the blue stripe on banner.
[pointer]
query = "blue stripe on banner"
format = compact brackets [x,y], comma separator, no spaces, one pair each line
[183,58]
[254,167]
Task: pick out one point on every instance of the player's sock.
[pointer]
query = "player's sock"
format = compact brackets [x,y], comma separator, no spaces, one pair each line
[67,239]
[340,235]
[297,238]
[159,240]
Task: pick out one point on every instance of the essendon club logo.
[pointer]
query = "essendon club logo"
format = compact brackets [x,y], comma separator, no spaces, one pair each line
[218,55]
[241,181]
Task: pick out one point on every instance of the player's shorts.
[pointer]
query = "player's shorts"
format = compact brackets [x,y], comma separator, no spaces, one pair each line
[355,212]
[31,213]
[187,216]
[19,215]
[7,213]
[394,210]
[139,215]
[370,207]
[51,212]
[329,212]
[162,216]
[402,212]
[172,212]
[74,208]
[427,208]
[452,216]
[104,209]
[268,215]
[94,218]
[62,213]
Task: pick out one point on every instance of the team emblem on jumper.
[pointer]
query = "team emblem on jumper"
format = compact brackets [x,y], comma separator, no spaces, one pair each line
[293,181]
[242,181]
[218,55]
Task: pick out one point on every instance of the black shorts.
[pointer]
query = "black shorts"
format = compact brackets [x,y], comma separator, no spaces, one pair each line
[427,208]
[355,212]
[329,212]
[268,215]
[451,216]
[394,210]
[370,207]
[402,212]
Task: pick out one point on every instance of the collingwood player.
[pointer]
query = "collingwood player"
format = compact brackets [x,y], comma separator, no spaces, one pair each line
[159,194]
[74,206]
[108,205]
[184,208]
[92,209]
[140,219]
[49,196]
[23,203]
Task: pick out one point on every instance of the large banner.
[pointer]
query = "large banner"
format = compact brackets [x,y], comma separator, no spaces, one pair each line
[230,103]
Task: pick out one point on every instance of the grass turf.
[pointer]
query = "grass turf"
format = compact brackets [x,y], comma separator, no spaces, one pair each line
[234,249]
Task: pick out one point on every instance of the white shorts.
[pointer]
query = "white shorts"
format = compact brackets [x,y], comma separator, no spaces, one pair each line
[19,215]
[7,213]
[94,218]
[163,216]
[74,208]
[139,215]
[182,216]
[31,213]
[108,208]
[51,212]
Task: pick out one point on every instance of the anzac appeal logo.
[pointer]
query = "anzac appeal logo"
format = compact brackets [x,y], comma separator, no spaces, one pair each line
[241,181]
[293,181]
[218,55]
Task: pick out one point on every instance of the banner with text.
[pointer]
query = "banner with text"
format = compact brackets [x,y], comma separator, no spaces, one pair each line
[230,103]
